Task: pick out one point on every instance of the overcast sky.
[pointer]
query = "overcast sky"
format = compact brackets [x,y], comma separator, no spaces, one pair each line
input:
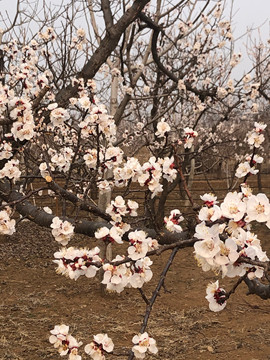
[247,15]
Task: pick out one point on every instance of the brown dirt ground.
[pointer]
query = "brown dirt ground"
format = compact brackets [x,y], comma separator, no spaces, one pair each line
[34,299]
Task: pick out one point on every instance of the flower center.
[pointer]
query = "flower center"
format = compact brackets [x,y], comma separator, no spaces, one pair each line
[260,209]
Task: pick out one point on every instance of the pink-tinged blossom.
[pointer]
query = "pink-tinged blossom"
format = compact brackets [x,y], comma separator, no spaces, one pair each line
[11,170]
[109,235]
[59,332]
[162,128]
[23,130]
[48,34]
[216,297]
[151,176]
[258,208]
[209,246]
[233,207]
[7,225]
[255,139]
[74,263]
[209,199]
[228,254]
[62,231]
[259,127]
[117,209]
[21,106]
[143,343]
[43,167]
[116,277]
[58,116]
[140,272]
[113,157]
[244,169]
[210,213]
[132,207]
[140,244]
[5,150]
[90,158]
[168,168]
[101,343]
[172,222]
[189,136]
[64,342]
[132,169]
[246,190]
[255,160]
[105,186]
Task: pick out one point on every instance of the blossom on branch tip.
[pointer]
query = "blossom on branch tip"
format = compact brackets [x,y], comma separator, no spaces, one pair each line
[62,231]
[140,244]
[216,296]
[209,199]
[11,170]
[140,272]
[64,342]
[77,262]
[258,208]
[172,222]
[101,343]
[233,207]
[189,136]
[7,225]
[244,169]
[110,235]
[162,128]
[143,343]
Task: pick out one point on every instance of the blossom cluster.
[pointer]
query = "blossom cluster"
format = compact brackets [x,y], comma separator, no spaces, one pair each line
[7,225]
[11,170]
[100,345]
[5,150]
[254,138]
[68,345]
[23,125]
[64,342]
[118,208]
[149,174]
[172,222]
[152,172]
[128,274]
[188,137]
[97,120]
[77,262]
[62,231]
[140,244]
[225,236]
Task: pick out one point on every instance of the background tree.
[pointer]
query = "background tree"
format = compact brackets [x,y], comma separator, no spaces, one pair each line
[164,71]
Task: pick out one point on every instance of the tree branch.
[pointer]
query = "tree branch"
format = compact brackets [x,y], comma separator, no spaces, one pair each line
[107,45]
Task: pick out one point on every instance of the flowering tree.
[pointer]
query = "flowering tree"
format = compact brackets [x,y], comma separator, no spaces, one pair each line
[164,72]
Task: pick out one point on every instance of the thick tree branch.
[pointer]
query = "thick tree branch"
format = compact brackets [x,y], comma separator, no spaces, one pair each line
[107,45]
[258,288]
[202,94]
[107,14]
[40,217]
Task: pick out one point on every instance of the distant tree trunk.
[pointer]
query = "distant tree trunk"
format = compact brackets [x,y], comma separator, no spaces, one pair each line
[259,177]
[104,199]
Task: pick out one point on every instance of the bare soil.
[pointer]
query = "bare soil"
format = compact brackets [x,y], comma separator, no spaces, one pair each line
[34,299]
